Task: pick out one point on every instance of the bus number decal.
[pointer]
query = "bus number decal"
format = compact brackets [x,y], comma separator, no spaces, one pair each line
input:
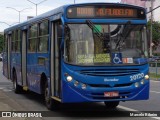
[137,76]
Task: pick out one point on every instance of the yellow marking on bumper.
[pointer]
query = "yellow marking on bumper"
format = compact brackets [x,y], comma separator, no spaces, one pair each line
[57,99]
[25,88]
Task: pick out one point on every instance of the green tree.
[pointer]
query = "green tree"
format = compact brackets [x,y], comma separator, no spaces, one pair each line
[1,42]
[155,33]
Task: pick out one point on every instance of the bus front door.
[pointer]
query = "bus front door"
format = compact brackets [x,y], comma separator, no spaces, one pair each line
[24,76]
[55,61]
[9,56]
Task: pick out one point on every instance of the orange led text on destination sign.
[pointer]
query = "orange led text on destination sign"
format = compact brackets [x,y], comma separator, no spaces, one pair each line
[115,12]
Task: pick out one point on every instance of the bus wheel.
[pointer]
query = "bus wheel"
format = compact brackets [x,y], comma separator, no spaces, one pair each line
[50,103]
[16,87]
[111,105]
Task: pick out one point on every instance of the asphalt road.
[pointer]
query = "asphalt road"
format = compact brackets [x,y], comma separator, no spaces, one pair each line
[29,101]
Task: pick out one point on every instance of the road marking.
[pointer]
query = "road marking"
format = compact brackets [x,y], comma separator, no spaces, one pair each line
[7,90]
[133,110]
[126,108]
[154,91]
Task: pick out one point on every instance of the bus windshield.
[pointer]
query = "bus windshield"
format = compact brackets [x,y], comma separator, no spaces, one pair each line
[86,45]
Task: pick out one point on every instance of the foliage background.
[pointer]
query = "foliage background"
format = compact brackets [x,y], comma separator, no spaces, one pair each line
[155,37]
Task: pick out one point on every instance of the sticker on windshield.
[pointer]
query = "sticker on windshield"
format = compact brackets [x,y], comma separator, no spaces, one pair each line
[127,60]
[93,58]
[117,58]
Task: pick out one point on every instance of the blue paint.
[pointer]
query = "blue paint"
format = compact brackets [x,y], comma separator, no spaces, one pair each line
[93,93]
[99,79]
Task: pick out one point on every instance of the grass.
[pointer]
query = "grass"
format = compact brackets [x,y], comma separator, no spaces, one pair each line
[154,76]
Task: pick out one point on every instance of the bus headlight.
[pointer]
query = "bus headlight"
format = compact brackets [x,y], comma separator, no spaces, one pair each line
[69,78]
[146,77]
[84,86]
[136,84]
[142,82]
[76,83]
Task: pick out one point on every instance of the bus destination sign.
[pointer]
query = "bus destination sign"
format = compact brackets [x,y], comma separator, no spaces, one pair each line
[117,12]
[104,12]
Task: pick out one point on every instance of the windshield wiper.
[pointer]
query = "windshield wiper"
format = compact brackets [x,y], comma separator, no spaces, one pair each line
[126,31]
[94,28]
[105,37]
[121,40]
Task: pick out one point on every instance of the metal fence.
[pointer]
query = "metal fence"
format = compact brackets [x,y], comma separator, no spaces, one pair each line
[155,68]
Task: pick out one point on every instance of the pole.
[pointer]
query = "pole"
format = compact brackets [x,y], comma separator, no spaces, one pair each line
[8,24]
[19,11]
[19,16]
[5,23]
[36,4]
[36,9]
[151,28]
[153,9]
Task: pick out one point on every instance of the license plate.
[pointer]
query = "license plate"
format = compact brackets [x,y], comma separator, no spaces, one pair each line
[111,94]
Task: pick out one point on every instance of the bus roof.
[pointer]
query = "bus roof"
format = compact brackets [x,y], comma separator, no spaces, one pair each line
[62,9]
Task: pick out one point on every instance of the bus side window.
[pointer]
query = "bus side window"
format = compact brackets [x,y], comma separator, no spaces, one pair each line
[13,41]
[17,41]
[32,45]
[43,36]
[33,32]
[59,30]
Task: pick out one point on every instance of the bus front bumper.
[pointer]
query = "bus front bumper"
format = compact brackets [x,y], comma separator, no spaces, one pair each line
[73,93]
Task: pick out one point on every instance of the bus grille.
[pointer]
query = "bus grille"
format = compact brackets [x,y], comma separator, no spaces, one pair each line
[108,86]
[109,72]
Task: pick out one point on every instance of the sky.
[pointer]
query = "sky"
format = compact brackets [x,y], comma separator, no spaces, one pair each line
[11,17]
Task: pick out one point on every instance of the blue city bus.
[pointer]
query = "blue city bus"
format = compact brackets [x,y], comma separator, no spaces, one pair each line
[90,52]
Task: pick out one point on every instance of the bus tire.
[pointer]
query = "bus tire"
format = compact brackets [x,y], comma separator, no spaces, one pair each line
[111,105]
[50,103]
[17,89]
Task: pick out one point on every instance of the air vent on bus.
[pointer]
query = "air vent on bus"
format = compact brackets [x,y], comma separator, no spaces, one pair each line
[110,72]
[107,86]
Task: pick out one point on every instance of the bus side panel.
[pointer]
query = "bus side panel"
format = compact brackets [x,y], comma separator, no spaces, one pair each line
[31,71]
[37,63]
[16,63]
[34,83]
[42,67]
[5,68]
[6,56]
[4,60]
